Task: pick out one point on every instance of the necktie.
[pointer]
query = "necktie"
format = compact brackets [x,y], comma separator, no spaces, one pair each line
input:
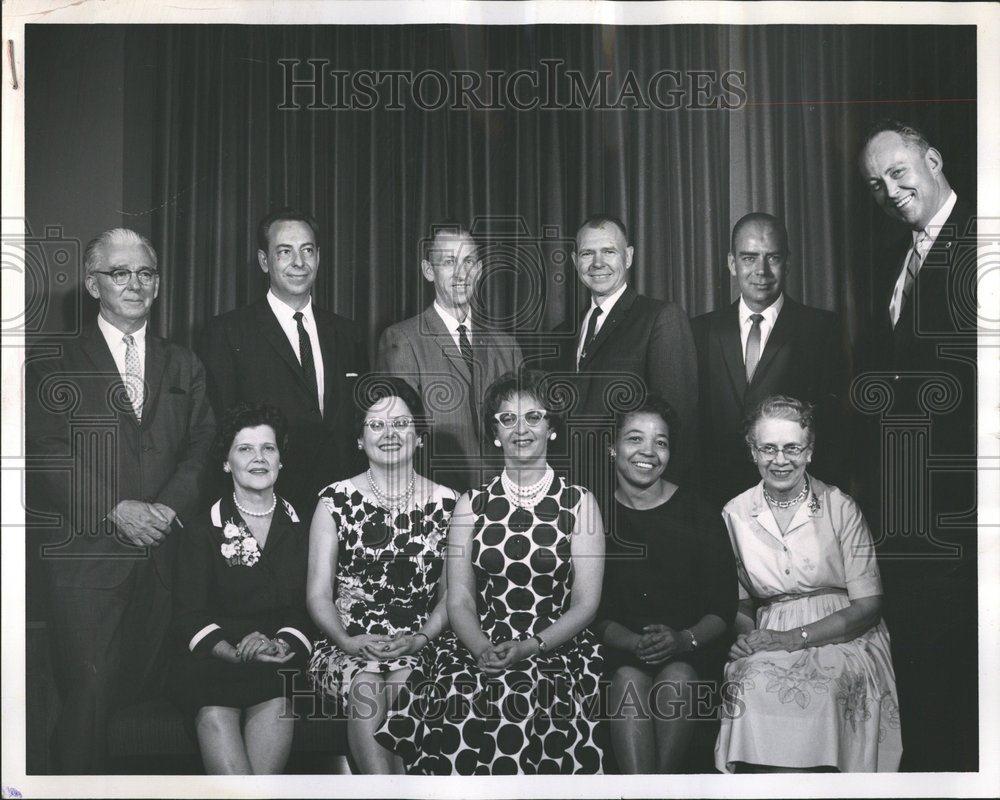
[465,347]
[912,265]
[591,331]
[133,375]
[753,346]
[306,356]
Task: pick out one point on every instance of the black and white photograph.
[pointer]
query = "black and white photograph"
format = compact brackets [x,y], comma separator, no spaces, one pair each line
[559,399]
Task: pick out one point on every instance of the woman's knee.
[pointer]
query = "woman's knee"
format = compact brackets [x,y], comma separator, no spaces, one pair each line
[366,698]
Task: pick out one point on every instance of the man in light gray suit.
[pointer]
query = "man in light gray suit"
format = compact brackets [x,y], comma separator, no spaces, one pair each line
[450,357]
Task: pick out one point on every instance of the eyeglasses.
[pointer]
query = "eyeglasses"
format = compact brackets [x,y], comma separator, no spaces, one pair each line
[770,451]
[121,277]
[508,419]
[377,425]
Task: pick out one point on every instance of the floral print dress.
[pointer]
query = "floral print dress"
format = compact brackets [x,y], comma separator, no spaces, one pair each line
[834,705]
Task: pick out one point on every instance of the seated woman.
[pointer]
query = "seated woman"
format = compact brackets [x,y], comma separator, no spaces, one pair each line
[513,689]
[669,597]
[811,684]
[378,537]
[239,612]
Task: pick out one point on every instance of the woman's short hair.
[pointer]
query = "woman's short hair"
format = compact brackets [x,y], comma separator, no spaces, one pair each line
[531,382]
[375,387]
[656,405]
[780,406]
[249,415]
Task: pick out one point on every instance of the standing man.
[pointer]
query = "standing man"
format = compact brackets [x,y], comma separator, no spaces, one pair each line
[921,353]
[451,357]
[285,351]
[626,344]
[765,343]
[122,429]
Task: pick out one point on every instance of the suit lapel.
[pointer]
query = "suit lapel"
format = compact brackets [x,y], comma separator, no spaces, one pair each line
[618,313]
[271,330]
[731,345]
[777,339]
[96,348]
[156,363]
[449,350]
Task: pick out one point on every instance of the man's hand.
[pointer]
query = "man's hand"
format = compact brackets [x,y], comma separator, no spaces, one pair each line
[167,512]
[142,524]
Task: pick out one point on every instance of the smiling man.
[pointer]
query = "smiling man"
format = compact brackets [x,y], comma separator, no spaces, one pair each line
[285,351]
[627,343]
[449,355]
[764,343]
[920,351]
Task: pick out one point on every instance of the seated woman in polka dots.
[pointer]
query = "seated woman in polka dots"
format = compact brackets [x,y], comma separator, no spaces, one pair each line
[513,688]
[378,537]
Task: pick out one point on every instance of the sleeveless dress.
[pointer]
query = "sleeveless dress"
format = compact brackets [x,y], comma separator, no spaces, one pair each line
[386,582]
[832,705]
[539,717]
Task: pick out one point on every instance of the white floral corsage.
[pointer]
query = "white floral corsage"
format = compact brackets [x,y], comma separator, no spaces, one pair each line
[239,548]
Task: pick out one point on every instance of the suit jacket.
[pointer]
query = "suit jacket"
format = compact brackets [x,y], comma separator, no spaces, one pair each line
[423,352]
[803,358]
[643,345]
[249,359]
[91,453]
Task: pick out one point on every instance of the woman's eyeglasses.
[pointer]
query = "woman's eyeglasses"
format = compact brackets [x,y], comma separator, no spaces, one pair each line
[378,425]
[121,277]
[770,451]
[508,419]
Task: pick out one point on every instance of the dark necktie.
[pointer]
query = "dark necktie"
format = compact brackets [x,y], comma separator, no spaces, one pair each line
[753,346]
[465,347]
[306,356]
[591,331]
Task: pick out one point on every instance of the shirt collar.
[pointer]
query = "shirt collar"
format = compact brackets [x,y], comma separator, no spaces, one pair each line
[113,336]
[609,302]
[449,320]
[770,314]
[937,222]
[285,312]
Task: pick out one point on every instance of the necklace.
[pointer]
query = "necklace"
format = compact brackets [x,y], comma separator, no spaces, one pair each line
[392,502]
[527,496]
[788,503]
[249,513]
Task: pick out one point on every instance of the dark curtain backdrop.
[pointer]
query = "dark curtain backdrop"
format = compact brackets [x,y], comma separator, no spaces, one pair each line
[219,153]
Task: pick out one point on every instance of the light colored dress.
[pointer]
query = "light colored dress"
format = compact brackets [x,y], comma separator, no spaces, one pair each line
[834,705]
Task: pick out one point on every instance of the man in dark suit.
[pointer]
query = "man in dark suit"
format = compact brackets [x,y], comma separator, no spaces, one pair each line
[918,386]
[450,356]
[120,428]
[765,343]
[302,359]
[626,345]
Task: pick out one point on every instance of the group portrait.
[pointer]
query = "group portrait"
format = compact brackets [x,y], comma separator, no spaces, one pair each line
[449,399]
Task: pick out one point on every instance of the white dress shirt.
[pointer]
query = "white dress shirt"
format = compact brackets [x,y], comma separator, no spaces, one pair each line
[286,320]
[452,324]
[770,315]
[606,305]
[116,345]
[923,241]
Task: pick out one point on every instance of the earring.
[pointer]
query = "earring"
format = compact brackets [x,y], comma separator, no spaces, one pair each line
[496,442]
[225,468]
[552,435]
[280,465]
[360,446]
[612,453]
[420,442]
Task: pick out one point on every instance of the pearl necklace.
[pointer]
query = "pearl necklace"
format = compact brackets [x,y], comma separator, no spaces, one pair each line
[788,503]
[249,513]
[392,503]
[527,496]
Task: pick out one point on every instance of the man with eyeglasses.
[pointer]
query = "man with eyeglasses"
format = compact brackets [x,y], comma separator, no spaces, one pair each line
[121,429]
[762,344]
[284,350]
[451,355]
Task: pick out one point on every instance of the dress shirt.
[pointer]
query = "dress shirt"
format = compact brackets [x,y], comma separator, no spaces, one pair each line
[452,324]
[285,314]
[113,337]
[770,315]
[923,247]
[606,305]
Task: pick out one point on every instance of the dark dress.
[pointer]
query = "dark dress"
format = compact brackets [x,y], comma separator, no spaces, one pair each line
[537,717]
[218,598]
[671,565]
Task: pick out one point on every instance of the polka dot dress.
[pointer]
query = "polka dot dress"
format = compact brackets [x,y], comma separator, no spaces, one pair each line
[387,574]
[537,717]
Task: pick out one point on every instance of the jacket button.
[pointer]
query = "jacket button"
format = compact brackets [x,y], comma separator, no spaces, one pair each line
[788,572]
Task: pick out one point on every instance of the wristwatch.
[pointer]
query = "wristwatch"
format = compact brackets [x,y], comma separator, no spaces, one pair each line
[694,642]
[542,647]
